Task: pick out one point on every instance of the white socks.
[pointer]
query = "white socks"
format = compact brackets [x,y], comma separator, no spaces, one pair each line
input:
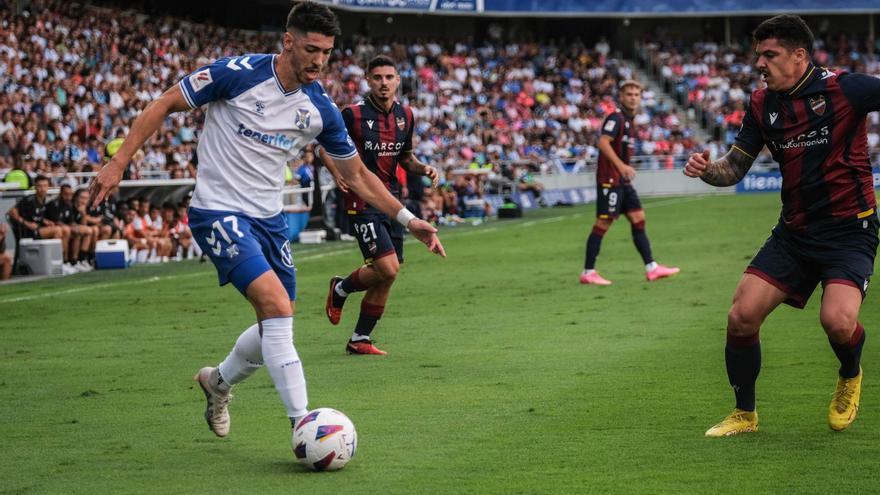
[650,266]
[283,364]
[339,290]
[589,272]
[245,358]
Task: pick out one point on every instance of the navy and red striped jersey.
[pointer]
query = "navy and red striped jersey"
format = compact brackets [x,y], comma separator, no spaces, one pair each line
[816,132]
[381,138]
[619,126]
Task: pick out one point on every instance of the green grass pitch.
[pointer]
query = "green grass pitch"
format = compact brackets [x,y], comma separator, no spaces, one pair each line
[504,375]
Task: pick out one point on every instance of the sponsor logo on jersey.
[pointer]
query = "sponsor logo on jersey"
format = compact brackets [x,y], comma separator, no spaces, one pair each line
[276,140]
[804,140]
[302,119]
[773,116]
[370,124]
[401,123]
[818,104]
[200,79]
[384,149]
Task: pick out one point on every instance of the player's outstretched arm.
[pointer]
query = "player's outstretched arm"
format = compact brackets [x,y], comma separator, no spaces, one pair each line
[371,190]
[726,171]
[144,126]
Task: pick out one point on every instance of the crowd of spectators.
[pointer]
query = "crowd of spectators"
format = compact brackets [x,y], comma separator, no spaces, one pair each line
[72,78]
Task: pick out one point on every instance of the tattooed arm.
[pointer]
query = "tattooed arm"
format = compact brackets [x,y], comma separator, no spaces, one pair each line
[726,171]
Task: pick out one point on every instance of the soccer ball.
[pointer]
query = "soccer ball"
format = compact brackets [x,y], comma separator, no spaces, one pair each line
[324,440]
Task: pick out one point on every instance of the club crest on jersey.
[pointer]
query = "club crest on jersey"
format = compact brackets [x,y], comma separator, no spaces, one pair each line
[200,79]
[303,118]
[401,123]
[260,107]
[818,104]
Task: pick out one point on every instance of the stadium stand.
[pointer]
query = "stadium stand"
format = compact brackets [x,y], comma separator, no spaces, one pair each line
[74,82]
[492,114]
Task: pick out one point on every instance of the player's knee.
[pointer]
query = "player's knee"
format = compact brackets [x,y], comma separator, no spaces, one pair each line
[274,307]
[741,322]
[388,274]
[603,223]
[838,325]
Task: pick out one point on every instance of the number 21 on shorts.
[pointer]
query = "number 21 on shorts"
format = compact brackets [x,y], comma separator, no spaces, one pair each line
[367,231]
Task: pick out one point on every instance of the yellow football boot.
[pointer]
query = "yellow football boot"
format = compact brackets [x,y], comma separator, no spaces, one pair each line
[845,404]
[737,422]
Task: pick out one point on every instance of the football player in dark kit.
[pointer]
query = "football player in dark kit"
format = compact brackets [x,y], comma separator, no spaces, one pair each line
[813,122]
[614,191]
[382,130]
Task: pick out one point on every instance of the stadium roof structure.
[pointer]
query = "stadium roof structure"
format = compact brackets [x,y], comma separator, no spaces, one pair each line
[609,8]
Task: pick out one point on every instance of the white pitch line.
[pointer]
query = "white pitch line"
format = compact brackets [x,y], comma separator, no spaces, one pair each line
[86,288]
[676,201]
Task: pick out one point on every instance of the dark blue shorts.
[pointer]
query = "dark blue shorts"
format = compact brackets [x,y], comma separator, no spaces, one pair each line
[796,264]
[378,236]
[612,201]
[243,248]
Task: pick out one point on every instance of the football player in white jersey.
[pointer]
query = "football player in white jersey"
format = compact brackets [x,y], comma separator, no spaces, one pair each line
[261,111]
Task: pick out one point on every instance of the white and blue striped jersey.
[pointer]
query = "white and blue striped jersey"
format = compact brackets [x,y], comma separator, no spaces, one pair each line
[252,129]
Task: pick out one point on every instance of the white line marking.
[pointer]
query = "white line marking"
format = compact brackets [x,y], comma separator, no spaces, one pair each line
[676,201]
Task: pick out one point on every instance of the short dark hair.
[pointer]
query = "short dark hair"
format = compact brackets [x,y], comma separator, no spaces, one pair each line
[790,30]
[41,178]
[312,17]
[66,186]
[381,61]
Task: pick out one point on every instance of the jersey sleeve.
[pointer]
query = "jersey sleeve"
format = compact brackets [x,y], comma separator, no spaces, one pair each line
[334,136]
[348,119]
[749,140]
[862,91]
[211,82]
[612,125]
[407,144]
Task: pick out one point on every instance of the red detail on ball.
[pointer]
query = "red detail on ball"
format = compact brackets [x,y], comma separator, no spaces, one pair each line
[325,462]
